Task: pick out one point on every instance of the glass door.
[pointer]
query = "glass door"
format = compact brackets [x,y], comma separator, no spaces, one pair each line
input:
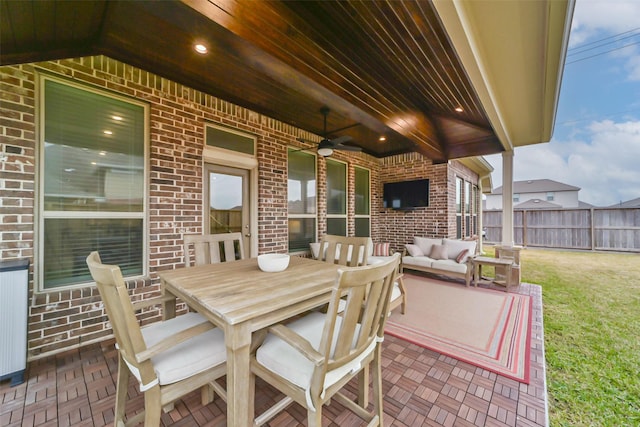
[228,202]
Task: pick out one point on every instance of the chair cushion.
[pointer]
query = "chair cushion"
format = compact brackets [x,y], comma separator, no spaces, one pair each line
[190,357]
[395,292]
[377,259]
[279,357]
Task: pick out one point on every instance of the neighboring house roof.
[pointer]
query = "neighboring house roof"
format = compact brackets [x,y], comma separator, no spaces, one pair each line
[537,186]
[633,203]
[537,204]
[585,205]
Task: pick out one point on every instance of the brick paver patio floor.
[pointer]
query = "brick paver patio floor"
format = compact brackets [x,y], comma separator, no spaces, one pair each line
[421,387]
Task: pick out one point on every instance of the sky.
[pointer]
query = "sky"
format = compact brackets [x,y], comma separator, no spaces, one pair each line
[596,141]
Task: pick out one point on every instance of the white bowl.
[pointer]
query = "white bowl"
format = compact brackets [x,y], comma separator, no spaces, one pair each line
[273,262]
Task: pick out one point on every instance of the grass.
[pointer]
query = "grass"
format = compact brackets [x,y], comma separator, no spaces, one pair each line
[591,307]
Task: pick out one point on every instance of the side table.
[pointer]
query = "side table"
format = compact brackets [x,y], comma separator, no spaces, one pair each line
[479,261]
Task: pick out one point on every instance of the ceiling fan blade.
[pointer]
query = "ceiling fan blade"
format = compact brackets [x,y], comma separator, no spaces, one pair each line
[339,140]
[347,148]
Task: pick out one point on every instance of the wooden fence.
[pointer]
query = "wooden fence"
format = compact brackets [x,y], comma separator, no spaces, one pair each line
[591,229]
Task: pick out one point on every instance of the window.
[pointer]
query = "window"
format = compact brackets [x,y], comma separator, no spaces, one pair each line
[550,196]
[467,208]
[362,202]
[459,208]
[475,208]
[229,139]
[301,193]
[516,197]
[92,181]
[336,198]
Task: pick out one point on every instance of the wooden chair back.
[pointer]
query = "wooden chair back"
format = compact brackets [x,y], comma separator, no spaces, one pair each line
[212,248]
[348,251]
[338,346]
[367,290]
[120,311]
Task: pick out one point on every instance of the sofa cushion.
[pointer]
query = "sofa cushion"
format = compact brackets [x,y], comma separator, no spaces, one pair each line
[449,265]
[425,243]
[414,250]
[438,252]
[418,261]
[454,247]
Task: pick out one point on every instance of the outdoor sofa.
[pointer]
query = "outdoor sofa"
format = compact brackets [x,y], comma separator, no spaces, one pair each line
[448,257]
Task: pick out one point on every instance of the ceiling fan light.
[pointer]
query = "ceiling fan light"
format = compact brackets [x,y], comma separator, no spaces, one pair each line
[325,151]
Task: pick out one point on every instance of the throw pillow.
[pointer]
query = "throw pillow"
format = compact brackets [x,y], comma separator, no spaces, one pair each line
[454,247]
[414,250]
[462,256]
[425,243]
[438,252]
[381,249]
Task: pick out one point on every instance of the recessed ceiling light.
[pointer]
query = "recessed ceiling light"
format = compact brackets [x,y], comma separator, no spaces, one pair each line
[200,48]
[459,109]
[103,153]
[118,118]
[108,132]
[382,138]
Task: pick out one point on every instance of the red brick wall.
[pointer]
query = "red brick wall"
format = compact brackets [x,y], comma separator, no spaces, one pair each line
[439,219]
[64,319]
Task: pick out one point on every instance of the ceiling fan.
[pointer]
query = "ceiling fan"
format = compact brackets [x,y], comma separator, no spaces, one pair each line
[326,146]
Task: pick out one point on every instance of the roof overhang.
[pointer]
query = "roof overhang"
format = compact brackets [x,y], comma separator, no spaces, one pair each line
[479,165]
[513,52]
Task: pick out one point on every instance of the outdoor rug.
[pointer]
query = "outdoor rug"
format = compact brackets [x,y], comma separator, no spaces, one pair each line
[486,328]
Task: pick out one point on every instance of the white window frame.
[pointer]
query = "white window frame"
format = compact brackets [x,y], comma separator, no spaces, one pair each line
[303,216]
[368,214]
[344,216]
[40,171]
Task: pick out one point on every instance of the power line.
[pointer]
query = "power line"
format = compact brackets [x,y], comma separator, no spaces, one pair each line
[603,39]
[602,53]
[603,44]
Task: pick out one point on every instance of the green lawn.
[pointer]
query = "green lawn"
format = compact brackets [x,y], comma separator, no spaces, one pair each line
[591,304]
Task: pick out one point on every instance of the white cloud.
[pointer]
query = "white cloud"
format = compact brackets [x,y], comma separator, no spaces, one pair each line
[592,17]
[595,20]
[603,163]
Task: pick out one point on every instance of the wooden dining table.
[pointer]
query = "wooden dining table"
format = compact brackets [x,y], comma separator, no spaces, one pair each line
[241,299]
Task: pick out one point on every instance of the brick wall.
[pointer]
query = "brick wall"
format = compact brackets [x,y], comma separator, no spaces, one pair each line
[439,219]
[65,319]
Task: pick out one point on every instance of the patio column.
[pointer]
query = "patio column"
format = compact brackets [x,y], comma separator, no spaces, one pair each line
[507,199]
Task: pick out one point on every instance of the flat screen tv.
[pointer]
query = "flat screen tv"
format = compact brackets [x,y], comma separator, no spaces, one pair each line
[406,194]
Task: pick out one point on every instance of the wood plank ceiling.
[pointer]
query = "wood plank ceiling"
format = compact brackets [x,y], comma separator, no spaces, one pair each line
[383,67]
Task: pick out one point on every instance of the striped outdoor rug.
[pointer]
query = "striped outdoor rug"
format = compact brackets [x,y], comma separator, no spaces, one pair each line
[486,328]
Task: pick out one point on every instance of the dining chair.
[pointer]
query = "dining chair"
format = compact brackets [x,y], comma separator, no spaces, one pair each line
[169,358]
[212,248]
[382,252]
[348,251]
[312,358]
